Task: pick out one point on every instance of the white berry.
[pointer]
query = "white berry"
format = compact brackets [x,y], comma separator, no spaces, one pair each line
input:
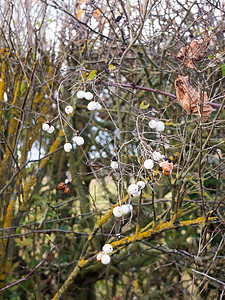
[157,155]
[114,164]
[125,209]
[141,185]
[80,94]
[105,259]
[133,188]
[98,106]
[130,207]
[45,126]
[148,164]
[91,105]
[78,140]
[107,248]
[51,129]
[88,96]
[66,181]
[99,256]
[117,211]
[68,147]
[152,124]
[137,194]
[69,109]
[160,126]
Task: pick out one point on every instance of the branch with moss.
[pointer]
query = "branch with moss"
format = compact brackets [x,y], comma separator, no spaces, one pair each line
[138,236]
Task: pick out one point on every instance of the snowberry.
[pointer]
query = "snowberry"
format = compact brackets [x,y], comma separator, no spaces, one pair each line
[114,164]
[68,147]
[117,211]
[133,188]
[69,109]
[141,185]
[51,129]
[125,209]
[67,181]
[130,207]
[148,164]
[137,194]
[157,155]
[91,105]
[105,259]
[160,126]
[78,140]
[99,256]
[80,94]
[98,106]
[107,248]
[88,96]
[45,126]
[152,124]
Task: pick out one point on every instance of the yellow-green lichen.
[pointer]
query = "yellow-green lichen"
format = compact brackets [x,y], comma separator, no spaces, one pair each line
[8,218]
[2,89]
[82,263]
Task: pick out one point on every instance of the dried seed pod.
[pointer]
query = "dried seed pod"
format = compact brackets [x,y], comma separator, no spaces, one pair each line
[66,190]
[166,173]
[167,168]
[62,186]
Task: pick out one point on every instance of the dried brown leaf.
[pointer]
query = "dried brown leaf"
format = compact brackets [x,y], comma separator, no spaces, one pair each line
[194,52]
[79,13]
[190,99]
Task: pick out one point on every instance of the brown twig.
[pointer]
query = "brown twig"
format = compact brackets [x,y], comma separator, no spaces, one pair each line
[10,150]
[143,88]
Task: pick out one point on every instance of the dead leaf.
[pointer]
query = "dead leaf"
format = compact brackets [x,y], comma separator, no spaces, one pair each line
[194,52]
[79,13]
[97,14]
[190,99]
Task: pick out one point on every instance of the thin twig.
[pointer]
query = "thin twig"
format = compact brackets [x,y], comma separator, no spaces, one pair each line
[29,274]
[212,278]
[10,150]
[143,88]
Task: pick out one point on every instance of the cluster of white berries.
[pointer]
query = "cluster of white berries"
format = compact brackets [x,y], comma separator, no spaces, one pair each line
[87,95]
[135,189]
[103,255]
[79,140]
[149,163]
[47,127]
[158,125]
[124,209]
[93,105]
